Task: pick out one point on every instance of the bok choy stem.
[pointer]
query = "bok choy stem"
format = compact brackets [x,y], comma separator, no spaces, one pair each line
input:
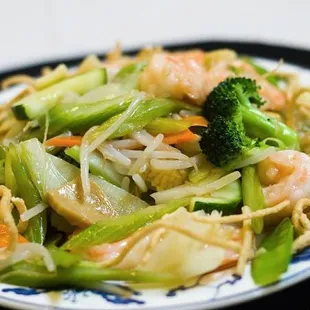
[116,229]
[27,274]
[36,229]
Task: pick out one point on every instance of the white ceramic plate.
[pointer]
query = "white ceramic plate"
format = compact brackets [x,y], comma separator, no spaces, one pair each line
[222,292]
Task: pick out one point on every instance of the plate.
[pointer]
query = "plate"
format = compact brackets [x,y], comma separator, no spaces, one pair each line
[223,291]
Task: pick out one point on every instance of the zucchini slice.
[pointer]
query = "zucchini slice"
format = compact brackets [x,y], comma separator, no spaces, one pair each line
[38,103]
[226,200]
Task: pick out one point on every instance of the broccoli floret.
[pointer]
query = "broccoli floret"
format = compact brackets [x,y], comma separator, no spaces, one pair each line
[227,98]
[236,127]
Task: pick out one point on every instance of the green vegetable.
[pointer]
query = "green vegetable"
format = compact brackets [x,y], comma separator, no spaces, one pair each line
[79,117]
[253,196]
[3,150]
[97,165]
[63,258]
[226,200]
[80,275]
[274,254]
[102,93]
[273,79]
[9,178]
[145,113]
[205,171]
[129,75]
[38,103]
[235,125]
[116,229]
[36,229]
[167,125]
[60,172]
[2,171]
[39,165]
[121,200]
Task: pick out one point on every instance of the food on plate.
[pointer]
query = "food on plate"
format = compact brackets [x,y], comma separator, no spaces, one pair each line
[157,168]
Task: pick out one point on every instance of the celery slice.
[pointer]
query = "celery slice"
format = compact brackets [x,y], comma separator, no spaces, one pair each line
[167,125]
[38,103]
[145,113]
[112,230]
[36,229]
[253,196]
[49,172]
[81,275]
[275,256]
[98,165]
[79,117]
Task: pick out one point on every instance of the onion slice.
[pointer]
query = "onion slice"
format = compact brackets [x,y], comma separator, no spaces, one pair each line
[256,158]
[26,251]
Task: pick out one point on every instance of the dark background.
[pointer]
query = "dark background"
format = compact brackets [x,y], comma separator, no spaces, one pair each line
[298,296]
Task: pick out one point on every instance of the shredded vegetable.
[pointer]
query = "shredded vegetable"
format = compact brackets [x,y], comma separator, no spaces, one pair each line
[155,168]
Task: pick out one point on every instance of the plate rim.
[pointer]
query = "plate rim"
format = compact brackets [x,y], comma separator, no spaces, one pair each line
[242,297]
[297,56]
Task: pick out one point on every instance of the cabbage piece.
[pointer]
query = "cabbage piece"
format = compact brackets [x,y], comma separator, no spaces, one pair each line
[181,255]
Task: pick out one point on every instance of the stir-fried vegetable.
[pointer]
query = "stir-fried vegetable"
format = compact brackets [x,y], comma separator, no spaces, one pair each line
[82,275]
[155,168]
[64,141]
[271,78]
[167,126]
[253,195]
[36,229]
[78,117]
[40,102]
[226,200]
[112,230]
[235,127]
[98,165]
[274,254]
[145,113]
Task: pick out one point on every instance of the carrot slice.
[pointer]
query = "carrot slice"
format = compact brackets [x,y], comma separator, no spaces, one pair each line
[183,136]
[196,120]
[5,237]
[64,141]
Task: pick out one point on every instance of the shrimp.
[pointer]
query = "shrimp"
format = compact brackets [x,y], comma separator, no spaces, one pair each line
[286,176]
[275,97]
[185,75]
[179,76]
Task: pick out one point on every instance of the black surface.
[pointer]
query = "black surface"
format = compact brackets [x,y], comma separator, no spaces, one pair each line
[293,55]
[298,296]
